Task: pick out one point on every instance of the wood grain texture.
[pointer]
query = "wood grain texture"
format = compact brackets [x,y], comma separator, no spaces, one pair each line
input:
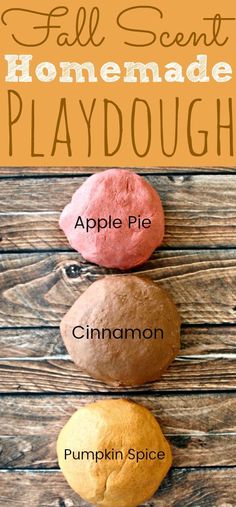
[182,488]
[63,376]
[201,429]
[47,342]
[35,360]
[37,289]
[187,193]
[195,212]
[58,171]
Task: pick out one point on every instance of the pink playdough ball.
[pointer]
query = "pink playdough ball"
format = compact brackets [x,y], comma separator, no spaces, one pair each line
[118,194]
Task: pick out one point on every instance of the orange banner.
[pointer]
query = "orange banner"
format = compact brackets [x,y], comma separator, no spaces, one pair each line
[117,83]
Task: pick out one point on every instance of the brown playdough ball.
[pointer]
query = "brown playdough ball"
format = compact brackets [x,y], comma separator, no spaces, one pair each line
[120,478]
[123,330]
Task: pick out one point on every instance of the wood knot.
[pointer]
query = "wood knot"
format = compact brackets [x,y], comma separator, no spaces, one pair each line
[73,271]
[181,441]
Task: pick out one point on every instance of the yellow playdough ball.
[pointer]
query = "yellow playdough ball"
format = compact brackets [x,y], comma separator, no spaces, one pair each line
[113,453]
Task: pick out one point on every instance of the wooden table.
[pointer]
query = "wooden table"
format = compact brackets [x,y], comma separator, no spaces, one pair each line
[40,277]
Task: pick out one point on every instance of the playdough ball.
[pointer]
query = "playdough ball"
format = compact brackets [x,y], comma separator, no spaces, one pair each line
[123,330]
[124,426]
[114,195]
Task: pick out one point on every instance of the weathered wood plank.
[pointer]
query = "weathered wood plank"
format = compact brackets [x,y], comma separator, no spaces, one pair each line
[201,429]
[179,415]
[187,193]
[34,171]
[194,209]
[62,376]
[37,289]
[40,231]
[181,488]
[31,343]
[47,342]
[35,360]
[188,451]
